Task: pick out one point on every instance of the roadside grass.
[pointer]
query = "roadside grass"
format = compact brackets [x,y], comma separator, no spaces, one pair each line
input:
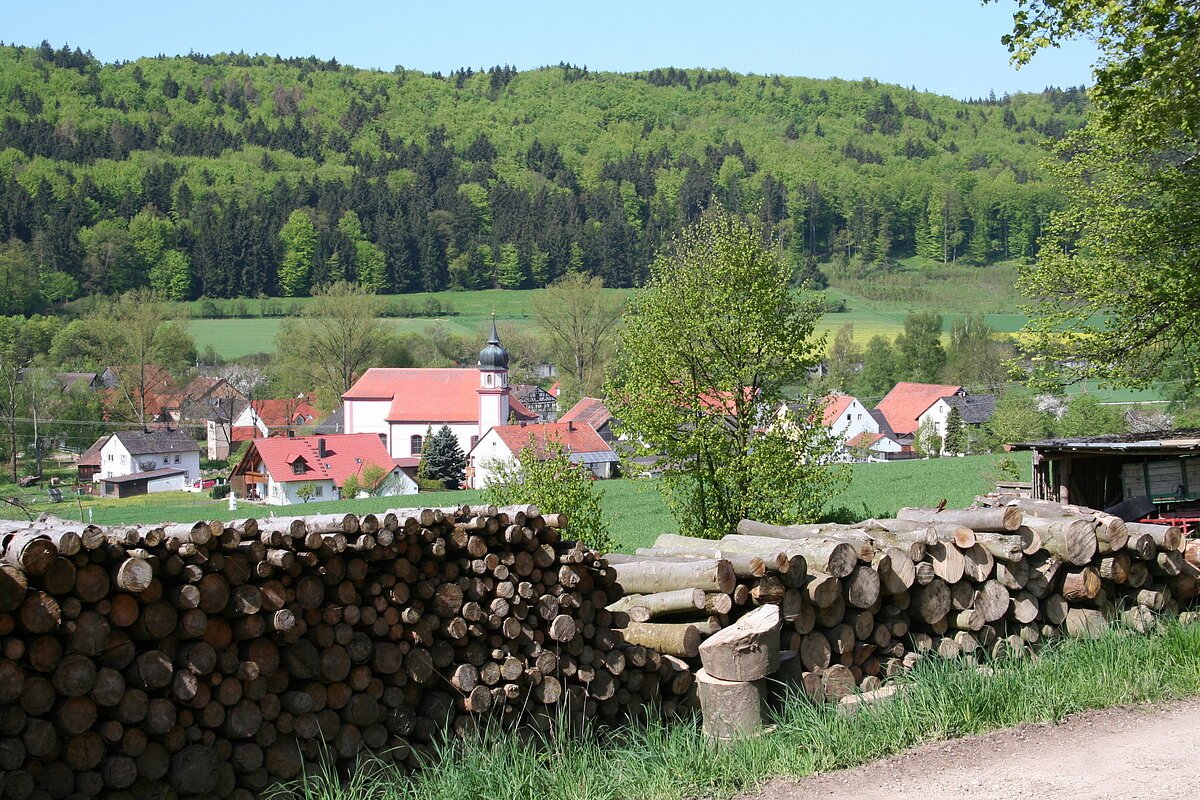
[655,761]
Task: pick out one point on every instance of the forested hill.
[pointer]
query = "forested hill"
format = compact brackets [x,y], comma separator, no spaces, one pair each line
[233,175]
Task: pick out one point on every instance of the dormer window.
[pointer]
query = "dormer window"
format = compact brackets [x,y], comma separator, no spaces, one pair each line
[299,467]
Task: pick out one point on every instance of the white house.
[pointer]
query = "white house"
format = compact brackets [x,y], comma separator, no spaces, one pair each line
[874,447]
[401,405]
[130,452]
[843,415]
[500,446]
[973,409]
[275,470]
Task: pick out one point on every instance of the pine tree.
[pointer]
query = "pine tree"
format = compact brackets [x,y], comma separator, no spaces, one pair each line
[956,434]
[442,458]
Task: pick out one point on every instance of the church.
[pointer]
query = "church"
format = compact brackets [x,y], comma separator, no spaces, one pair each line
[402,405]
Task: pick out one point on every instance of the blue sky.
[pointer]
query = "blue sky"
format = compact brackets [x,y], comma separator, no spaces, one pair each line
[947,46]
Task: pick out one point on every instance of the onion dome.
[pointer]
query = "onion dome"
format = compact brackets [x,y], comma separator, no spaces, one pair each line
[493,356]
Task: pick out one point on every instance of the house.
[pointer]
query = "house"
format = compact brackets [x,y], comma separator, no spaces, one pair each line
[89,462]
[501,444]
[134,452]
[877,446]
[537,400]
[276,470]
[592,411]
[401,405]
[975,410]
[903,406]
[266,418]
[79,380]
[165,479]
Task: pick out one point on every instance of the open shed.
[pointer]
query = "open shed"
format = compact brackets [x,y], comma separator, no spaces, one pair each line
[1157,472]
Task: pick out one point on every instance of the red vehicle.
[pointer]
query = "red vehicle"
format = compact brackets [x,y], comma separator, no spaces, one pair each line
[205,483]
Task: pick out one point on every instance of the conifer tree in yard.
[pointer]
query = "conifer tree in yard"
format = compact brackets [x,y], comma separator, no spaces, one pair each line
[956,433]
[709,345]
[443,459]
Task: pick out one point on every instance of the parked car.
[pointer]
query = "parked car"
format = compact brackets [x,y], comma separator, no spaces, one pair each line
[205,483]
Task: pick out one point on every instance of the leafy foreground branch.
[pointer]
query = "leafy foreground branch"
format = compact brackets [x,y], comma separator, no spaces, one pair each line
[940,700]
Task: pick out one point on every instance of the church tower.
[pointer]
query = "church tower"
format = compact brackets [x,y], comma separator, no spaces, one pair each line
[493,384]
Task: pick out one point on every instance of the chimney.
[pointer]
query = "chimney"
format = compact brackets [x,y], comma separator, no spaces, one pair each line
[571,425]
[321,452]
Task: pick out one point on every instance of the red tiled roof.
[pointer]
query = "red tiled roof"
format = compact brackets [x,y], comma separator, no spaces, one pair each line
[422,395]
[346,454]
[575,437]
[864,439]
[590,410]
[245,433]
[835,406]
[519,409]
[91,456]
[284,413]
[907,401]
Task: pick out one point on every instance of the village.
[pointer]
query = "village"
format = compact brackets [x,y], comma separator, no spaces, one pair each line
[290,453]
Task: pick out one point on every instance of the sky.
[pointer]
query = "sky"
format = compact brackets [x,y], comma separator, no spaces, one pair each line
[946,46]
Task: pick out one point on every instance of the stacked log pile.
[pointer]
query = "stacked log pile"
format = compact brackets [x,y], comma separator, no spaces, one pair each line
[211,660]
[862,602]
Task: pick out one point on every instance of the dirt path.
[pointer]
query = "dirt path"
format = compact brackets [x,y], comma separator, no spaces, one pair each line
[1135,753]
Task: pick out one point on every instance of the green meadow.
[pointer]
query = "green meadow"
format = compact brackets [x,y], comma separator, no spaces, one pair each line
[633,508]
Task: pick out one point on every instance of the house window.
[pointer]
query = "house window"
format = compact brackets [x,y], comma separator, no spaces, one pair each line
[176,458]
[474,441]
[112,457]
[414,445]
[298,467]
[320,490]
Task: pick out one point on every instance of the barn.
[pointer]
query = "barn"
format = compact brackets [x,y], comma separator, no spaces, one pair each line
[1136,474]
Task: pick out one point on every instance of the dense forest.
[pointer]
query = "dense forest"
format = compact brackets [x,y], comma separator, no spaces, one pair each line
[235,175]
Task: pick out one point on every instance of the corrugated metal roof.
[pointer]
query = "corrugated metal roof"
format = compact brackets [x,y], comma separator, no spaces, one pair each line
[151,474]
[1119,442]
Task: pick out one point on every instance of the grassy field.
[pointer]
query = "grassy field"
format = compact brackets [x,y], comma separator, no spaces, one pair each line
[633,508]
[654,761]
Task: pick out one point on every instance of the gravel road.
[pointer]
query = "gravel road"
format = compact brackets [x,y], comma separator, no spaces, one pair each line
[1149,752]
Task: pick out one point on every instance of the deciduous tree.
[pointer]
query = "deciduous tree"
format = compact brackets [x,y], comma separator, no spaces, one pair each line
[1115,285]
[549,479]
[708,347]
[581,320]
[336,338]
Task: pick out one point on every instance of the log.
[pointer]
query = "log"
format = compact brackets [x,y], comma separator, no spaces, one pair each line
[1073,539]
[744,565]
[676,639]
[1003,546]
[931,602]
[1000,520]
[662,603]
[948,561]
[978,563]
[1166,537]
[731,709]
[862,587]
[1083,584]
[651,577]
[747,650]
[829,556]
[1086,623]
